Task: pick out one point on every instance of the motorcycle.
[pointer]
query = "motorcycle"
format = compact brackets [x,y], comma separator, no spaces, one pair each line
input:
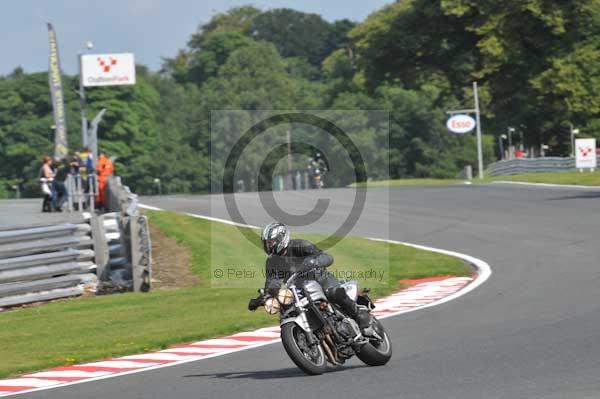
[316,332]
[317,170]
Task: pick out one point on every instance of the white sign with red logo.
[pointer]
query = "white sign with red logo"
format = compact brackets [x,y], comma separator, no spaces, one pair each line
[107,69]
[585,153]
[460,124]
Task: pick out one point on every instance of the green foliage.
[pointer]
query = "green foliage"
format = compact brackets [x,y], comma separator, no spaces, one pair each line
[535,60]
[537,63]
[25,124]
[213,53]
[298,34]
[142,128]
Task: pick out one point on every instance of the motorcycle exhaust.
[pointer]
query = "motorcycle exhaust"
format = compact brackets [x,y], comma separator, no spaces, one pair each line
[328,352]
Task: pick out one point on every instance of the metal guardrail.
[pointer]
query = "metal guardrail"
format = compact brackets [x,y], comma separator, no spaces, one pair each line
[531,165]
[81,196]
[132,261]
[119,197]
[108,253]
[45,262]
[141,253]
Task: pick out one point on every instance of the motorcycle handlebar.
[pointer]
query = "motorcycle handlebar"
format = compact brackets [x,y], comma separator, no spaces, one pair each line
[295,275]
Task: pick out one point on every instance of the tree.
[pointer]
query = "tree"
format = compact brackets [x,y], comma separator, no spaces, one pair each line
[205,61]
[509,47]
[298,34]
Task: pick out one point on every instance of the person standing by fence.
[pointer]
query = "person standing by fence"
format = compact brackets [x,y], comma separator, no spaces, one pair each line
[46,176]
[63,169]
[105,169]
[86,171]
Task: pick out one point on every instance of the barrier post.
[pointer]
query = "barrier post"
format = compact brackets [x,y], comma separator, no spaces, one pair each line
[79,184]
[69,186]
[101,251]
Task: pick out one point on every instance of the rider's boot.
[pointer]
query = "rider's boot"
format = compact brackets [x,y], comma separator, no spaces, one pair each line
[361,316]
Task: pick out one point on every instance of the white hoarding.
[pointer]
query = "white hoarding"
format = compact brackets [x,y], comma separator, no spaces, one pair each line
[585,153]
[460,124]
[107,69]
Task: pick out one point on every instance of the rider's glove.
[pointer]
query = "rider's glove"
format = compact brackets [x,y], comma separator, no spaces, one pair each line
[309,263]
[255,303]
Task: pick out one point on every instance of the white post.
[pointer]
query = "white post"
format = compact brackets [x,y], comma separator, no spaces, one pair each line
[572,142]
[289,150]
[84,127]
[479,149]
[573,133]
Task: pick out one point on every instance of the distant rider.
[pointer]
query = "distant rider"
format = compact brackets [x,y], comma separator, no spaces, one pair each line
[286,256]
[317,168]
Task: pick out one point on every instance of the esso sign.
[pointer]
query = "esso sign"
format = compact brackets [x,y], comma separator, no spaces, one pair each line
[460,124]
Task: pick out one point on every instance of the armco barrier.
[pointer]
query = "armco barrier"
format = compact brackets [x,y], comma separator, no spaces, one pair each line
[140,253]
[109,252]
[123,252]
[45,262]
[531,165]
[134,262]
[119,197]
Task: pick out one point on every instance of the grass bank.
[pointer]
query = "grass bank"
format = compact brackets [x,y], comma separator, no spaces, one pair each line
[92,328]
[571,177]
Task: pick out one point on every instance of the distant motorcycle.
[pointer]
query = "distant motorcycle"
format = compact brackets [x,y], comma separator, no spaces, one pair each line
[315,332]
[317,169]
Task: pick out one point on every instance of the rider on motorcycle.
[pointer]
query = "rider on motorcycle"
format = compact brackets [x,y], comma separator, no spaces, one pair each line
[286,256]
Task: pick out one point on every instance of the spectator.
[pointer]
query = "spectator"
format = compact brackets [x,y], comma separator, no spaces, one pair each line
[75,164]
[104,169]
[46,176]
[63,169]
[88,157]
[87,173]
[75,172]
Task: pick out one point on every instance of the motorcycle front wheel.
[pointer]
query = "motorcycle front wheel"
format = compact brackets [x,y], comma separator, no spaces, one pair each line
[309,359]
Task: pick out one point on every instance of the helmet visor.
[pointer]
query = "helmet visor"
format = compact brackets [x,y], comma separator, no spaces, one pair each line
[270,245]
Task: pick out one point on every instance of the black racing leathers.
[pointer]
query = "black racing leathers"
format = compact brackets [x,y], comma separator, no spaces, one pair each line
[302,255]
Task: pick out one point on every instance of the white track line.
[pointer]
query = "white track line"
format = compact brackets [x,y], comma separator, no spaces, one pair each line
[118,364]
[547,185]
[484,272]
[34,382]
[70,373]
[483,269]
[219,220]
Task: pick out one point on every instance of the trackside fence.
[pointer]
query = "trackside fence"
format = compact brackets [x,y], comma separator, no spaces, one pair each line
[46,262]
[531,165]
[106,253]
[135,267]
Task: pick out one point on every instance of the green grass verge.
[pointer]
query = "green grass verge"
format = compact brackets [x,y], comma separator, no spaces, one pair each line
[407,182]
[574,177]
[92,328]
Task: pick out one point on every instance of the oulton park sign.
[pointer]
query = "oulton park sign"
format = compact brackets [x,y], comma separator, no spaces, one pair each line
[107,69]
[460,124]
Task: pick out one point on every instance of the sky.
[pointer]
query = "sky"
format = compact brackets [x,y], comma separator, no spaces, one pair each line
[151,29]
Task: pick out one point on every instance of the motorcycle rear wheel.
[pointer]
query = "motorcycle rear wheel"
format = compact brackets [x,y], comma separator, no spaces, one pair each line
[310,360]
[376,353]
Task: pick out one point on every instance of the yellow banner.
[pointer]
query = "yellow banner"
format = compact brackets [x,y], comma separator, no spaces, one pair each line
[56,93]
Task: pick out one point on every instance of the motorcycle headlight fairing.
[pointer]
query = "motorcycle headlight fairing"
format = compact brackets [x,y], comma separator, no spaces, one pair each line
[272,306]
[285,296]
